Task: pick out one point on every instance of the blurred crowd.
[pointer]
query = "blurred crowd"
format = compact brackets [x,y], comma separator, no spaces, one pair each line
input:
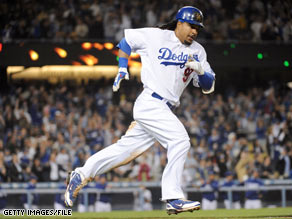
[69,20]
[47,130]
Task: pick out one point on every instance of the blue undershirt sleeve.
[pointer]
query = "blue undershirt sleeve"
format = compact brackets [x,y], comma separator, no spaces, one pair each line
[206,81]
[124,46]
[123,62]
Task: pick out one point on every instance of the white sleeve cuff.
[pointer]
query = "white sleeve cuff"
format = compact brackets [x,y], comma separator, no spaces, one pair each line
[211,89]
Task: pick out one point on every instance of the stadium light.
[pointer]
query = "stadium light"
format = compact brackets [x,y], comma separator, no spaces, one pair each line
[98,46]
[134,63]
[260,56]
[61,52]
[89,59]
[232,45]
[75,63]
[134,55]
[33,55]
[86,46]
[109,46]
[65,72]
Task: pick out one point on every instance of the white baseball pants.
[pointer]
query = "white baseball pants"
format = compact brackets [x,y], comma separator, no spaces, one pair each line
[253,204]
[102,206]
[209,205]
[82,208]
[234,205]
[58,206]
[153,121]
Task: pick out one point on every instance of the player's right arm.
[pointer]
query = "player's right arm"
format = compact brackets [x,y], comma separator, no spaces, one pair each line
[124,53]
[135,40]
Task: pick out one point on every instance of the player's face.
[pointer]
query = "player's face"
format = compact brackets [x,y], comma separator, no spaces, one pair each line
[188,32]
[229,178]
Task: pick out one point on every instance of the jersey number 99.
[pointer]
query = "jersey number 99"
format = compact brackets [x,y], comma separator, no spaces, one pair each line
[187,73]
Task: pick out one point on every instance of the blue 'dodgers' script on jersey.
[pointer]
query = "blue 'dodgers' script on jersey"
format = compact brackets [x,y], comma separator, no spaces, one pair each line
[166,54]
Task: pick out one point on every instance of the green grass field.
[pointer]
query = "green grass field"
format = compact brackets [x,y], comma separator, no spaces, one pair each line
[220,213]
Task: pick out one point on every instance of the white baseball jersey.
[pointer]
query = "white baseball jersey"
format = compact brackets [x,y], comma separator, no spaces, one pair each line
[163,57]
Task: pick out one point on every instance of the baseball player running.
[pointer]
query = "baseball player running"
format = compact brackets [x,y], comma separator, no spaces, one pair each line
[171,58]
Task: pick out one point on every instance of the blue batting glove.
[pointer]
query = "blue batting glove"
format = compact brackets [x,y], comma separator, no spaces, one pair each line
[122,74]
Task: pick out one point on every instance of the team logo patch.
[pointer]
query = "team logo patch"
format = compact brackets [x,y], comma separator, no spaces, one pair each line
[198,17]
[170,58]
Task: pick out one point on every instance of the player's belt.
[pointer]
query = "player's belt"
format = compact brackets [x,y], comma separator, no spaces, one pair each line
[156,95]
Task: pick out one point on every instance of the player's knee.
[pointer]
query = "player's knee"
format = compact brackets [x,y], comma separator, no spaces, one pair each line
[187,144]
[183,144]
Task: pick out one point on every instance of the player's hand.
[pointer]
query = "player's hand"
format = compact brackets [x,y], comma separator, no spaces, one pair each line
[122,74]
[196,66]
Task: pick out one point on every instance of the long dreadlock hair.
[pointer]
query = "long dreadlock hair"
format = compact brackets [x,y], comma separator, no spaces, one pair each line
[169,26]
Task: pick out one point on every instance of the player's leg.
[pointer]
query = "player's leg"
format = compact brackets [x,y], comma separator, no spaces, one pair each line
[147,206]
[205,204]
[130,146]
[227,204]
[97,206]
[248,204]
[156,117]
[102,207]
[214,204]
[236,205]
[108,207]
[58,206]
[81,208]
[91,208]
[257,204]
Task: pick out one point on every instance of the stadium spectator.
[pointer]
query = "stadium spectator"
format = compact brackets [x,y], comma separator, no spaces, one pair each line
[81,29]
[253,196]
[31,200]
[73,20]
[62,159]
[103,201]
[283,165]
[3,199]
[96,29]
[209,199]
[189,173]
[81,202]
[242,166]
[59,198]
[3,169]
[229,183]
[54,168]
[145,169]
[147,198]
[37,170]
[266,171]
[72,124]
[15,170]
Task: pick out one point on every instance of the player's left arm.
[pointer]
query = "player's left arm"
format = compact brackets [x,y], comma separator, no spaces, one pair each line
[205,75]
